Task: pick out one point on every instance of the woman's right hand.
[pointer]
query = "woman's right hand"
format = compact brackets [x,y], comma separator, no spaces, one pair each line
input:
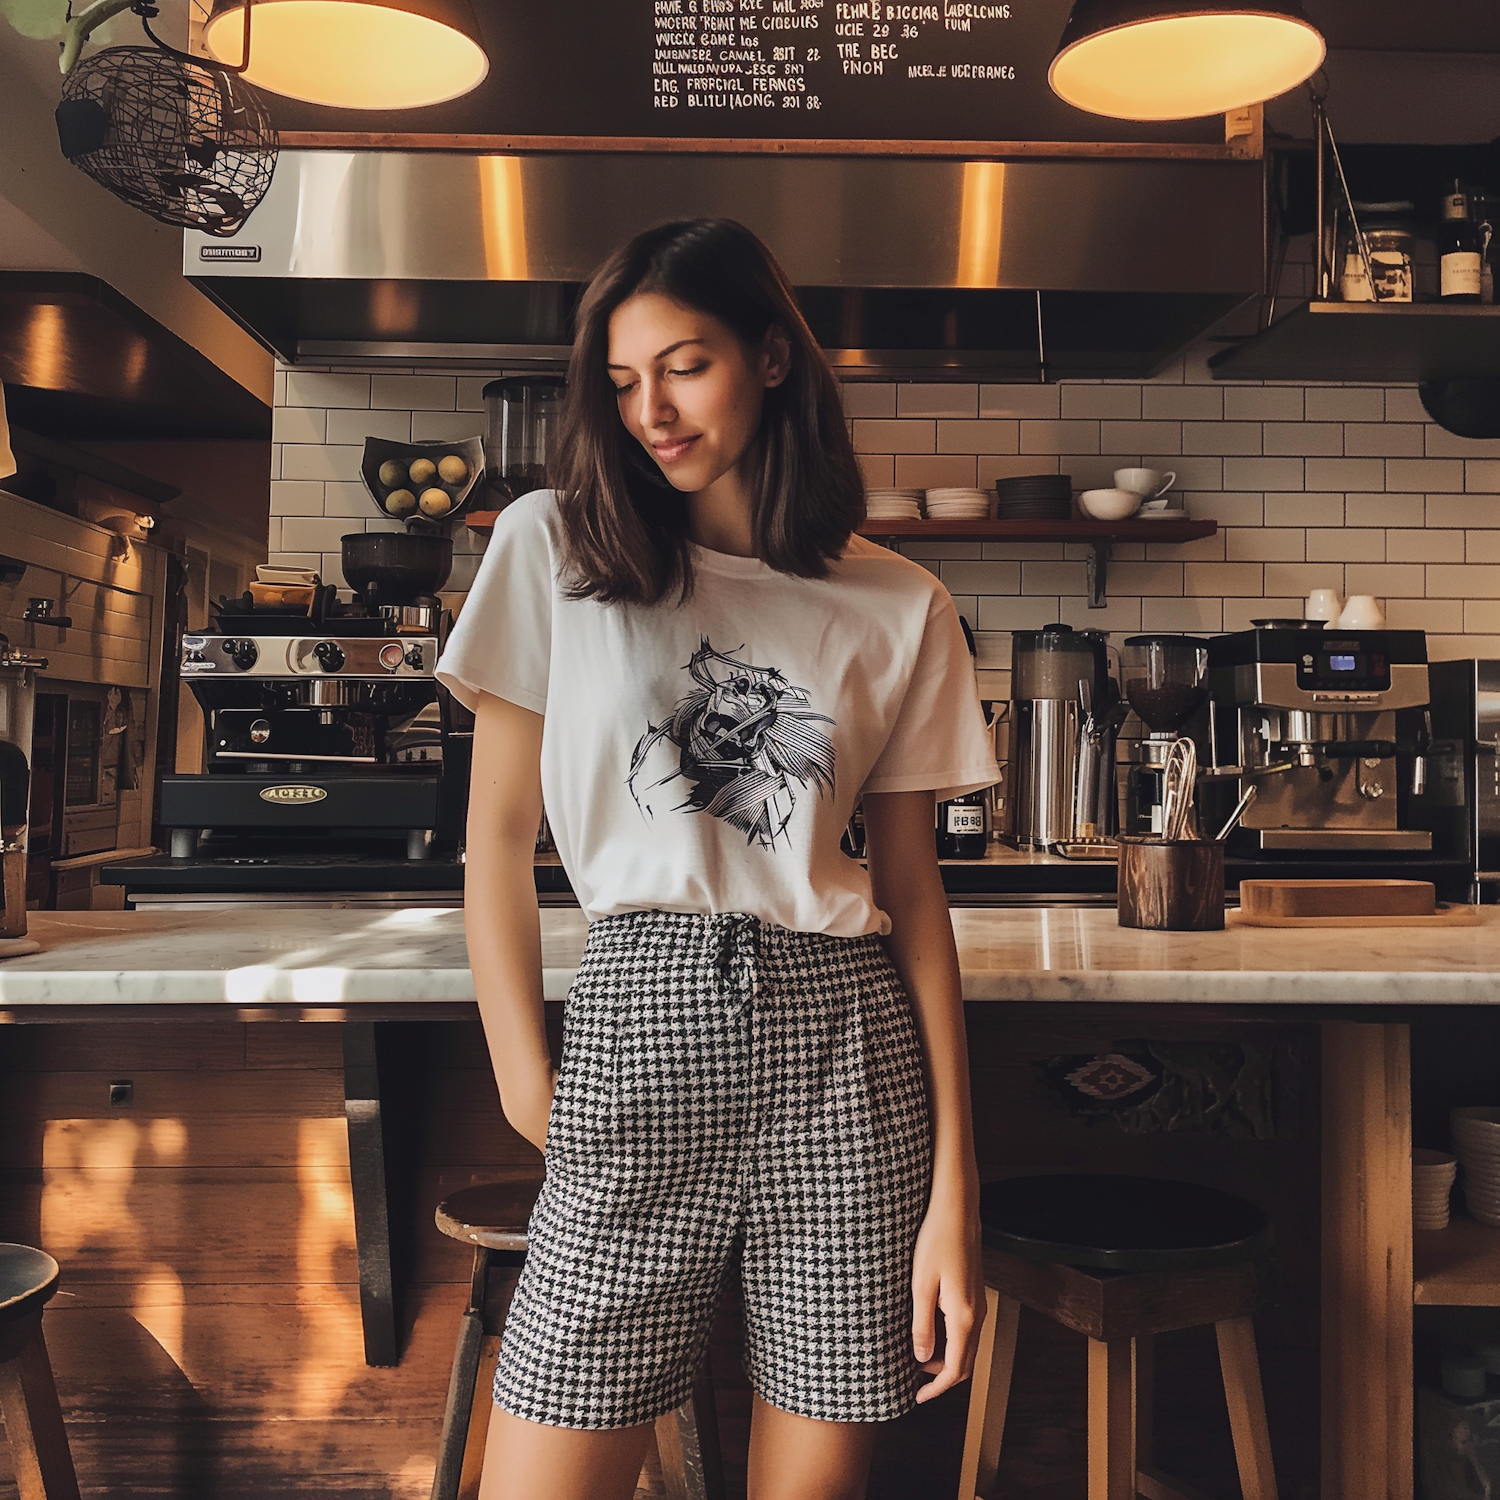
[528,1106]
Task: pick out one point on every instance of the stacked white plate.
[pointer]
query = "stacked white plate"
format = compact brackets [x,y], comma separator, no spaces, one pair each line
[958,504]
[1476,1141]
[1432,1174]
[893,504]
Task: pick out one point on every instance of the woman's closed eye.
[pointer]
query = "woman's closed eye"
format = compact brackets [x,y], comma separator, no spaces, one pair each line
[696,369]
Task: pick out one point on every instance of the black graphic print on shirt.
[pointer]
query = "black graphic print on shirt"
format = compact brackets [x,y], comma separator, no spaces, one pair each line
[743,736]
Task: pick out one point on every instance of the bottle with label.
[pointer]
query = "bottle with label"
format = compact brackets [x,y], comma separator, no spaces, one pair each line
[1460,250]
[963,830]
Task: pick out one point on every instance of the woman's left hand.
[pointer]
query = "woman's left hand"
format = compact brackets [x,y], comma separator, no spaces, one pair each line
[947,1278]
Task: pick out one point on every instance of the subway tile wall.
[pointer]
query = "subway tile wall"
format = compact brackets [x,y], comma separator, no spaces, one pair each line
[1349,487]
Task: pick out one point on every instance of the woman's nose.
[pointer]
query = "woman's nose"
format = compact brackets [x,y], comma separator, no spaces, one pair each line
[656,409]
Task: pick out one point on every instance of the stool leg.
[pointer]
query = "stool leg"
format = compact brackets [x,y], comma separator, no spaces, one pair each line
[1145,1401]
[34,1425]
[989,1395]
[461,1383]
[1112,1466]
[687,1443]
[1247,1408]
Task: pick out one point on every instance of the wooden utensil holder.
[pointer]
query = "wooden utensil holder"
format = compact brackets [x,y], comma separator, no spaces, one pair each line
[1171,886]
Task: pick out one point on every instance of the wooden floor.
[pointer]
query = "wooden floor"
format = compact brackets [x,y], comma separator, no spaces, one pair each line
[207,1337]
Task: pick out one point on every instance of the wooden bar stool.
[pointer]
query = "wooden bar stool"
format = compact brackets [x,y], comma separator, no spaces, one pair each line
[493,1218]
[28,1394]
[1120,1259]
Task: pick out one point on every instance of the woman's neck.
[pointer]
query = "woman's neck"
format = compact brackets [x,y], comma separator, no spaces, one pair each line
[719,517]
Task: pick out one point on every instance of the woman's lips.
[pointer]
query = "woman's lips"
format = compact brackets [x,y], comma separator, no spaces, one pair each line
[670,451]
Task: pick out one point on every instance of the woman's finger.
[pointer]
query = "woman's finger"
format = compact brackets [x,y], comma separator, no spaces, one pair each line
[951,1369]
[924,1304]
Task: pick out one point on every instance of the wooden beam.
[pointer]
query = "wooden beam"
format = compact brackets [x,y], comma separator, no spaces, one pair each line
[1367,1262]
[395,140]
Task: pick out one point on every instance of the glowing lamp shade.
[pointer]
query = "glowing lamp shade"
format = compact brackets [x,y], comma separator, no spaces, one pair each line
[1177,59]
[354,54]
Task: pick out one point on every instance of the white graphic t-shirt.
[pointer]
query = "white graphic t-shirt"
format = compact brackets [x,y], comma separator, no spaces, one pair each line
[706,756]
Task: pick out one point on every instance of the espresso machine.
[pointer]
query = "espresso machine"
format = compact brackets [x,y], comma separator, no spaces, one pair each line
[1064,715]
[18,671]
[320,735]
[1332,728]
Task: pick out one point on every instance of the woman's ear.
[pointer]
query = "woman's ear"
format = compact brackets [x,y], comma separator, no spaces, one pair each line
[777,355]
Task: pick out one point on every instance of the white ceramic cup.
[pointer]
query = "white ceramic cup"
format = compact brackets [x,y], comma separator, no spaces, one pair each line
[1323,604]
[1149,484]
[1361,612]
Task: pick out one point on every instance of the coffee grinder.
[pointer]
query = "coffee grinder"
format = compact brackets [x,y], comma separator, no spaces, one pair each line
[522,415]
[1165,680]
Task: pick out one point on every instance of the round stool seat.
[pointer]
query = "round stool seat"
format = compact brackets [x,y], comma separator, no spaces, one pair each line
[1120,1223]
[493,1214]
[28,1278]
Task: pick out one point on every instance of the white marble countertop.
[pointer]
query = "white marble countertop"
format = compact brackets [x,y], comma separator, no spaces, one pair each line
[320,961]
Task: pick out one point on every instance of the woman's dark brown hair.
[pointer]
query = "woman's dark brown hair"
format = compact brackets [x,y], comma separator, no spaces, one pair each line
[624,526]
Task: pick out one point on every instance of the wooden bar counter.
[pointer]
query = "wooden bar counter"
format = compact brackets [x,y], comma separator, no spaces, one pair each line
[1356,992]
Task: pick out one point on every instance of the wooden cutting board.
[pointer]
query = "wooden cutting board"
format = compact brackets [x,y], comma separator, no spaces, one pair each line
[1267,900]
[1444,916]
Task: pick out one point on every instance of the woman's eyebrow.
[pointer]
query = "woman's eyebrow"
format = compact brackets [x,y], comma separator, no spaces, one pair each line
[661,353]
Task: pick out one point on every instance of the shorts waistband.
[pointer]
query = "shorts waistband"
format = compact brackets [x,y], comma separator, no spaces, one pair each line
[730,946]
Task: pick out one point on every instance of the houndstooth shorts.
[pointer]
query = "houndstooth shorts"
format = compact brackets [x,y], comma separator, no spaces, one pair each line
[725,1085]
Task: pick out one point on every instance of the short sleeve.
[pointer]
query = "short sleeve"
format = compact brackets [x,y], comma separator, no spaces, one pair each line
[939,741]
[502,641]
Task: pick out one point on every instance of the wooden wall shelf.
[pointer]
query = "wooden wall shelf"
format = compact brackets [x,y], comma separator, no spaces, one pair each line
[1081,530]
[1458,1266]
[1100,535]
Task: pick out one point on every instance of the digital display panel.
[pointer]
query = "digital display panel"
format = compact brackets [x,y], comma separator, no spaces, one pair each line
[1345,664]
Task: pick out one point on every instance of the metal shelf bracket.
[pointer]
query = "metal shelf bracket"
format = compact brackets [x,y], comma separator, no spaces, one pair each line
[1100,548]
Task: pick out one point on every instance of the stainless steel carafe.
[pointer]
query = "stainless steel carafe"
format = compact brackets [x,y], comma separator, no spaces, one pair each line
[1057,675]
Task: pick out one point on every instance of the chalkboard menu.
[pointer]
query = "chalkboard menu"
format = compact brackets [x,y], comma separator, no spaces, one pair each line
[849,71]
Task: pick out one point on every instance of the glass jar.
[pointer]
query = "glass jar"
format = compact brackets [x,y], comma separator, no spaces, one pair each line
[1390,235]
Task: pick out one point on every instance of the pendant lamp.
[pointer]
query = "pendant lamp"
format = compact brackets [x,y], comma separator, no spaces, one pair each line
[356,54]
[1178,59]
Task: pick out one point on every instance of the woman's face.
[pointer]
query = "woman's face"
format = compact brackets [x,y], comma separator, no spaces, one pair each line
[689,390]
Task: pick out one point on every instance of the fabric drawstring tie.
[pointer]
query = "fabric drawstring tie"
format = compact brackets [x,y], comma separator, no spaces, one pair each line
[733,948]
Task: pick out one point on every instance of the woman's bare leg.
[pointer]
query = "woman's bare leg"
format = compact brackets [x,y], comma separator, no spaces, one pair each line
[796,1458]
[527,1461]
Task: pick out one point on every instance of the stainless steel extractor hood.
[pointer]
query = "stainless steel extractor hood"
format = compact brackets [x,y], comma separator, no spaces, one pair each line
[918,267]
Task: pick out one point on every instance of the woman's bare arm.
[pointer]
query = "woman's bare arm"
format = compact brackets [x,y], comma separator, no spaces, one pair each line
[500,910]
[947,1273]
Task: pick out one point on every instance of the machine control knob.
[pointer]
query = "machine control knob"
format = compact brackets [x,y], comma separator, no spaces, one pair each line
[260,731]
[243,654]
[415,658]
[392,656]
[330,655]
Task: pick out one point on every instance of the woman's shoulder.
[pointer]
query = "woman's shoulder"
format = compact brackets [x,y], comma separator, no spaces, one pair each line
[532,517]
[872,564]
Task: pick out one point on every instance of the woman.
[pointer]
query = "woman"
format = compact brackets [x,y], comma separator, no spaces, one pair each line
[686,652]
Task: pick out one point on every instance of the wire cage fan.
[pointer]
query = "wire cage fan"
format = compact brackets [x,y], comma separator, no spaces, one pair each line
[189,145]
